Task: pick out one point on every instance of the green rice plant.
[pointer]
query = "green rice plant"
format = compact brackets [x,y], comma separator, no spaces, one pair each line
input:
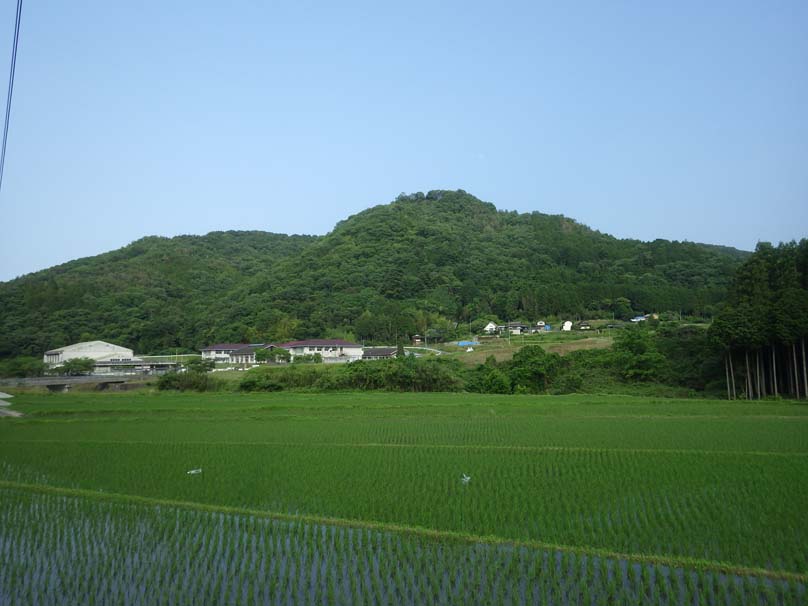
[707,488]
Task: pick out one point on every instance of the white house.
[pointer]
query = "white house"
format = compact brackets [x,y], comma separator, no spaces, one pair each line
[490,328]
[246,354]
[517,328]
[331,350]
[100,351]
[221,351]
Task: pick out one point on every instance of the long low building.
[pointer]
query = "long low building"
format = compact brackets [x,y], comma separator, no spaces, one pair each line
[379,353]
[330,350]
[221,352]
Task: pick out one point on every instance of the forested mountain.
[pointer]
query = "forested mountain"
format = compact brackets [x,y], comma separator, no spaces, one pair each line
[149,295]
[422,263]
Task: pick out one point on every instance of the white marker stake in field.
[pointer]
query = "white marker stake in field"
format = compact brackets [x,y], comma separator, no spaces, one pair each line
[193,472]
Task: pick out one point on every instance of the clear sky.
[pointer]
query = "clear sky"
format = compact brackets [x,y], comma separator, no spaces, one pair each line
[679,120]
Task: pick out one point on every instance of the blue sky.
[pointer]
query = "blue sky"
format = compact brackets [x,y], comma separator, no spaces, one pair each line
[645,120]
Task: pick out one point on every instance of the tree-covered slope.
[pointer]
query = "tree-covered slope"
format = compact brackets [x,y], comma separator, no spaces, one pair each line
[150,295]
[421,262]
[400,268]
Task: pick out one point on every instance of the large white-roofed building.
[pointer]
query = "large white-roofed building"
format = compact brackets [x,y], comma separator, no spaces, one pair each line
[100,351]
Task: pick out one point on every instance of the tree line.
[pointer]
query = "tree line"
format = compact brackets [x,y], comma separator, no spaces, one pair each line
[763,326]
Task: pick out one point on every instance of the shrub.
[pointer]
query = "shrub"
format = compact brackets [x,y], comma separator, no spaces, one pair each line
[188,381]
[314,358]
[533,369]
[22,366]
[496,381]
[259,379]
[398,374]
[76,366]
[636,356]
[200,365]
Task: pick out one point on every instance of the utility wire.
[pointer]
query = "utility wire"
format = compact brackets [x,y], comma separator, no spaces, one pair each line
[10,88]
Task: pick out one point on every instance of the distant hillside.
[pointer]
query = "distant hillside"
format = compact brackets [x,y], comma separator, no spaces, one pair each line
[423,262]
[152,294]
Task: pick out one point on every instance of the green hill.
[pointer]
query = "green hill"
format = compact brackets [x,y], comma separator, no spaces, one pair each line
[423,262]
[150,295]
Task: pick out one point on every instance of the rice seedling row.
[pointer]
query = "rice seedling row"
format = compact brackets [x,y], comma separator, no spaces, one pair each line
[733,508]
[647,483]
[66,550]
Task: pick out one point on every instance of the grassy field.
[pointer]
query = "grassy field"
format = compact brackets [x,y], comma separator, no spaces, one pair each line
[586,498]
[503,348]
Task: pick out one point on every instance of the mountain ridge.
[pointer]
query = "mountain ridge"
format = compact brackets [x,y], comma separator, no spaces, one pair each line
[421,261]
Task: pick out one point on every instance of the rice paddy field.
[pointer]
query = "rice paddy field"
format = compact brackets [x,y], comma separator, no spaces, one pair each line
[358,499]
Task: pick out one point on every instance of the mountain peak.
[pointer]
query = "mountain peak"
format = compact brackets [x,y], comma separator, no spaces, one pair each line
[443,258]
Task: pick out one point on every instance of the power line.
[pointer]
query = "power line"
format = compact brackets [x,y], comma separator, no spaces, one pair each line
[10,88]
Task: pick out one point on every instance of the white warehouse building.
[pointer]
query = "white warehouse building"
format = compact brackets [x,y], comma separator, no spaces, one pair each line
[100,351]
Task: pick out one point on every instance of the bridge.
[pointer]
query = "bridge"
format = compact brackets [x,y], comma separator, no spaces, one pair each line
[102,382]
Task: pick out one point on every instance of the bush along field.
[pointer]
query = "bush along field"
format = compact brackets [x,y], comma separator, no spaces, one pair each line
[360,498]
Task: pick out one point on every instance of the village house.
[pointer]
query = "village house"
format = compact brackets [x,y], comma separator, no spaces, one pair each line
[490,328]
[515,328]
[221,351]
[331,350]
[246,354]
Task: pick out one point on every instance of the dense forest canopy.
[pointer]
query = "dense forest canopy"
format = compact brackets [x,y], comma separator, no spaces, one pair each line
[764,324]
[426,263]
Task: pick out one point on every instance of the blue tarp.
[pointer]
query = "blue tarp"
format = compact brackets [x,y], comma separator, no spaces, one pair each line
[467,343]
